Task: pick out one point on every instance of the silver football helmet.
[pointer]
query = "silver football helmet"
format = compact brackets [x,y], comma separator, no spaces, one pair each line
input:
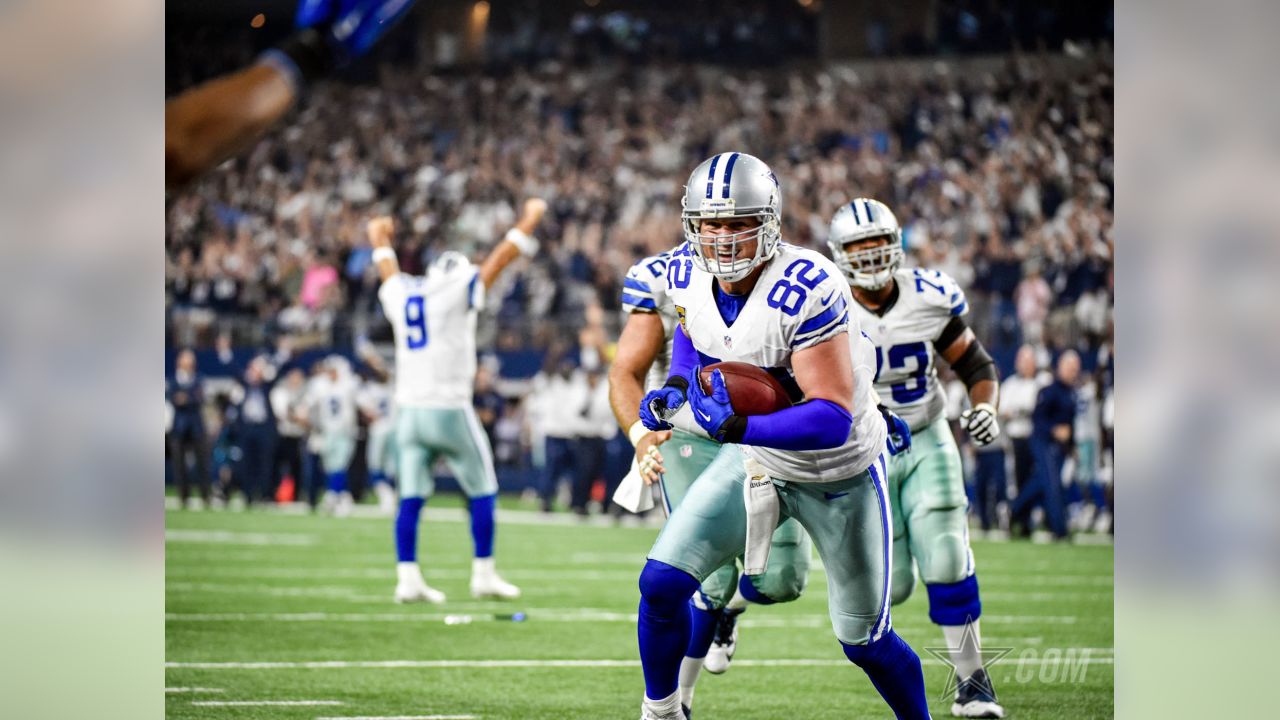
[872,267]
[727,185]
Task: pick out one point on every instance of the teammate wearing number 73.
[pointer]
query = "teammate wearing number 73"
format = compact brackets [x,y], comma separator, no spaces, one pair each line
[914,315]
[434,321]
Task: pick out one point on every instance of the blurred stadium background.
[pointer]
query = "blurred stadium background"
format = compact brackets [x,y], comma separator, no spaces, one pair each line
[986,126]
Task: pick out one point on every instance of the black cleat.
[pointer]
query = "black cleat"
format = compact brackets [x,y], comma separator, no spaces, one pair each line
[976,698]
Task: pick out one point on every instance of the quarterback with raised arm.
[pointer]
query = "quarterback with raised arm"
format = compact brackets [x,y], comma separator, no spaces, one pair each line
[434,321]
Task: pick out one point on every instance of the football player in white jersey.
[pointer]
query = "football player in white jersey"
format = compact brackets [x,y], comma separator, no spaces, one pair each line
[644,351]
[331,402]
[741,294]
[434,321]
[914,316]
[377,404]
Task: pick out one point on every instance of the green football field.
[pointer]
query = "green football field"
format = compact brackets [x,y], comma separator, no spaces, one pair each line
[276,615]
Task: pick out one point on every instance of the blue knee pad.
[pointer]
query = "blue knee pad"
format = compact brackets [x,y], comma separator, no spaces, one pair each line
[666,589]
[955,603]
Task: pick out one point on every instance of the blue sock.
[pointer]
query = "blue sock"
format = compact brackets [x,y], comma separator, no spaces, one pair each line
[1099,495]
[376,477]
[1074,495]
[956,603]
[337,481]
[663,628]
[894,668]
[749,591]
[482,524]
[407,529]
[702,631]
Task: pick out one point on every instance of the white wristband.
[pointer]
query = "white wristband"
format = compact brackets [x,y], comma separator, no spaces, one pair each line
[985,406]
[383,253]
[526,244]
[637,431]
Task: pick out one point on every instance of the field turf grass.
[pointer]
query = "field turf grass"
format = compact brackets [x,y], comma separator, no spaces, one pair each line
[246,591]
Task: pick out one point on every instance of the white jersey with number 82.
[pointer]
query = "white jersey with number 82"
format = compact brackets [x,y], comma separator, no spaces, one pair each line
[434,321]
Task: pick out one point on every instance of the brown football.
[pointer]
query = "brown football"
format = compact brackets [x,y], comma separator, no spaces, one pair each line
[752,391]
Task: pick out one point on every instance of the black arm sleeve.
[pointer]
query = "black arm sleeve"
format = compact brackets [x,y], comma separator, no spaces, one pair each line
[975,365]
[954,329]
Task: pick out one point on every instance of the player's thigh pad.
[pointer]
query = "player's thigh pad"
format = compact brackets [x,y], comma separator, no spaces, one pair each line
[415,457]
[935,506]
[338,451]
[457,435]
[709,526]
[849,523]
[787,572]
[684,456]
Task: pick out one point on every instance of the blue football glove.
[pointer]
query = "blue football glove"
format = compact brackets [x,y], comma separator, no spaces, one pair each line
[660,404]
[714,413]
[353,26]
[899,440]
[332,33]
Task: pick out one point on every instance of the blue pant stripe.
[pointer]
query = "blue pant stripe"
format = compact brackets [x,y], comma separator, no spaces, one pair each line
[877,471]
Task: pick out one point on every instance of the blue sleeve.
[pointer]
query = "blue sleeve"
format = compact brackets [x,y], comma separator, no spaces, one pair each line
[683,355]
[814,425]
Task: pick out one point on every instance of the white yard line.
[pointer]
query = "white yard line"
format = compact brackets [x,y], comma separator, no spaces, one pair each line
[531,578]
[399,717]
[557,615]
[227,537]
[173,690]
[257,703]
[1082,655]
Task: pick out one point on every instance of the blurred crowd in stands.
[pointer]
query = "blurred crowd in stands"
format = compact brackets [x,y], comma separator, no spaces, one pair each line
[1000,170]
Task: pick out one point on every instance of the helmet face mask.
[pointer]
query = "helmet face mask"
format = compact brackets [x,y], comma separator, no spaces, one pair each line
[871,266]
[866,265]
[727,189]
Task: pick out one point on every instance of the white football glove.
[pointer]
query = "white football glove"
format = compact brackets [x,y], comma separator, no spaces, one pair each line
[980,422]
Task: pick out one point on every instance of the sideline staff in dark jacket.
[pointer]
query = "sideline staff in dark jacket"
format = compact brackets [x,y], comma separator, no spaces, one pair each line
[1051,442]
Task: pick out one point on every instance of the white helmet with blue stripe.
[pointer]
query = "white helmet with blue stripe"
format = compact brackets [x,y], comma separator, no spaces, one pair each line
[870,267]
[732,185]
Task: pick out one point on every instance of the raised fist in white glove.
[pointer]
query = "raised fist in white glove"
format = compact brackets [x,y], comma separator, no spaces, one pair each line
[980,422]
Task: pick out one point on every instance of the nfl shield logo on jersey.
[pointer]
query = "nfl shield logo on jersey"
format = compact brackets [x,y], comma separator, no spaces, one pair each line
[728,342]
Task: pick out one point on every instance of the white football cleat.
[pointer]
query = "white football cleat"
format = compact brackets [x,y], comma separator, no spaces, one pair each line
[345,505]
[412,588]
[724,643]
[387,500]
[419,593]
[669,709]
[486,583]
